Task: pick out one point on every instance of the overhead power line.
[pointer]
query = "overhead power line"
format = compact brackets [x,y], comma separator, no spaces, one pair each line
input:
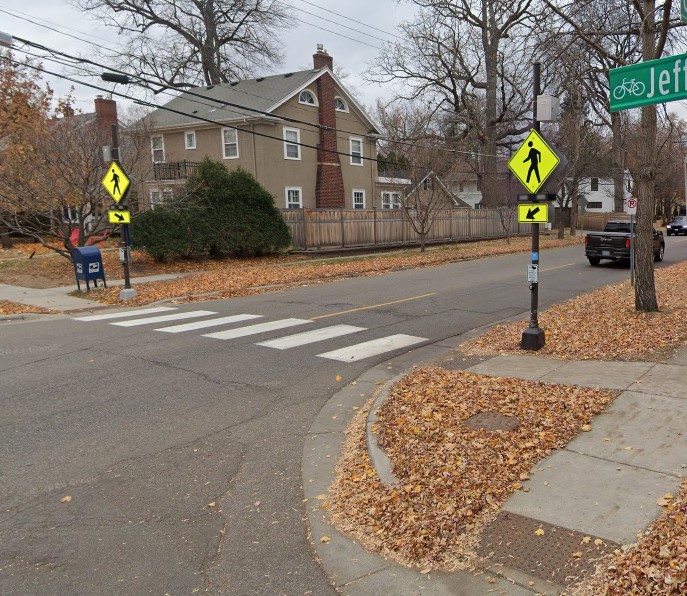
[202,100]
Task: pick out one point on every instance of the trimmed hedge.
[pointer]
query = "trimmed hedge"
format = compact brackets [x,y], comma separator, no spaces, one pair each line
[221,213]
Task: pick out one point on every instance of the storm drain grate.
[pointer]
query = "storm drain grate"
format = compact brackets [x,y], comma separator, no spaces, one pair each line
[560,555]
[492,421]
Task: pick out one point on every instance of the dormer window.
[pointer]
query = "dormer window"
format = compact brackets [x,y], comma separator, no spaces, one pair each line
[340,105]
[307,97]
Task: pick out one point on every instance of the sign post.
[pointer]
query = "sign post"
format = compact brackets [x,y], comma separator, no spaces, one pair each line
[117,183]
[631,208]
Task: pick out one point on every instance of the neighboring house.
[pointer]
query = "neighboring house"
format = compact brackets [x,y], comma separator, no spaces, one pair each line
[597,193]
[464,184]
[330,163]
[431,191]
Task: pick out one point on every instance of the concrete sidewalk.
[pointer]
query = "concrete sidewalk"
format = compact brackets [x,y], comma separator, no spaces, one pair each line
[604,485]
[59,298]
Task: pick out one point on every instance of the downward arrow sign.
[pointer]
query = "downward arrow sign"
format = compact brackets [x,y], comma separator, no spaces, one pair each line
[531,213]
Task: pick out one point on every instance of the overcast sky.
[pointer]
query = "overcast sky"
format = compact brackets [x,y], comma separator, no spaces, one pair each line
[353,45]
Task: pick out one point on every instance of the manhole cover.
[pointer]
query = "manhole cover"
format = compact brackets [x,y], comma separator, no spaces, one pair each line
[555,554]
[492,421]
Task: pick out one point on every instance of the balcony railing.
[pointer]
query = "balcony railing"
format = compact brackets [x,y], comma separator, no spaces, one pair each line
[174,170]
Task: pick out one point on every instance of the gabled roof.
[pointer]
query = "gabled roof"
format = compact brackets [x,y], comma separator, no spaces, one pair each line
[457,201]
[263,94]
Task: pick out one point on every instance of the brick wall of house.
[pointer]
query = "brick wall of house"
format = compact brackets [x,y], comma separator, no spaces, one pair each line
[329,190]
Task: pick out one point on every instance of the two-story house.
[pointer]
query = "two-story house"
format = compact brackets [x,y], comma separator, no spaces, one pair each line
[302,135]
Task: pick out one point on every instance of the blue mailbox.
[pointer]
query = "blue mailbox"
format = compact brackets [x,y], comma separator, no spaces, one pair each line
[88,265]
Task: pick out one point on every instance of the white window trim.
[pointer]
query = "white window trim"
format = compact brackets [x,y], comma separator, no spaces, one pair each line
[352,140]
[152,202]
[344,102]
[300,196]
[167,194]
[391,203]
[296,143]
[186,134]
[362,191]
[153,149]
[224,145]
[307,103]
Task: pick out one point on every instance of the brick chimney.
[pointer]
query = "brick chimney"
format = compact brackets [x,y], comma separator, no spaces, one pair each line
[329,189]
[105,114]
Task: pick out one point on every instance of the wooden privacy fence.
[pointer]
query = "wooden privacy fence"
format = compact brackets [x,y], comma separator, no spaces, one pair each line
[313,229]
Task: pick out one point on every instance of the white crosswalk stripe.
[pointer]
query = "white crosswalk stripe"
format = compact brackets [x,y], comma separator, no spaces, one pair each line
[372,348]
[309,337]
[255,329]
[352,353]
[127,313]
[209,323]
[163,318]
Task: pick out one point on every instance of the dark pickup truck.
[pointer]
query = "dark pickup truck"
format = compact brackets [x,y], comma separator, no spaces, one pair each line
[614,243]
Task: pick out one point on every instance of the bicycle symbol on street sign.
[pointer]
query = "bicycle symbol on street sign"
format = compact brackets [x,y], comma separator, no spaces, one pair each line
[629,86]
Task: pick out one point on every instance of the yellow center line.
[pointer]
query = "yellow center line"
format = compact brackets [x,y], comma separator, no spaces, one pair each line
[559,267]
[343,312]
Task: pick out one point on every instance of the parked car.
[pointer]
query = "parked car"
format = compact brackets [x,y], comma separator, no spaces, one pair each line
[677,226]
[615,241]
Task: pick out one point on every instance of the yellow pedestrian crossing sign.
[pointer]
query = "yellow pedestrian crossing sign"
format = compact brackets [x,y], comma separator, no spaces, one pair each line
[119,217]
[116,182]
[533,213]
[533,162]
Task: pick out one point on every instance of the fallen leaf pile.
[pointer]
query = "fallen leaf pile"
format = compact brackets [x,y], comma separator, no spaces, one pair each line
[237,278]
[15,308]
[655,564]
[604,324]
[452,479]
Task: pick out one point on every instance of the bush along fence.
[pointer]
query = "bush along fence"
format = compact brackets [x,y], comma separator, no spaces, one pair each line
[313,229]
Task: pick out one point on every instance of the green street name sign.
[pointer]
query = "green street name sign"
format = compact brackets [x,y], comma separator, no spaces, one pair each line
[645,83]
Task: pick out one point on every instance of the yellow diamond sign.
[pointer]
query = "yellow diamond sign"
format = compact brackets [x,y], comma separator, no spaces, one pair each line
[533,162]
[116,182]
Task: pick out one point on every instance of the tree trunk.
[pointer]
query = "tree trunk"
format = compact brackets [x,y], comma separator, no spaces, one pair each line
[645,288]
[5,236]
[490,46]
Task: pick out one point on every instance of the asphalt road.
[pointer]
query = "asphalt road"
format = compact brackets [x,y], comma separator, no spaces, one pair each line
[147,430]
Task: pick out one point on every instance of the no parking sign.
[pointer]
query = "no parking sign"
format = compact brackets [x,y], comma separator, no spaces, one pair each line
[631,206]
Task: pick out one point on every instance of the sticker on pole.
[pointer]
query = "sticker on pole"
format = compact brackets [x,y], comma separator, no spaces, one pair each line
[533,162]
[631,206]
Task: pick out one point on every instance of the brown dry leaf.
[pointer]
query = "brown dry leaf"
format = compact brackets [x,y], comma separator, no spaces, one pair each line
[325,539]
[586,428]
[539,532]
[338,378]
[213,504]
[578,554]
[587,539]
[66,499]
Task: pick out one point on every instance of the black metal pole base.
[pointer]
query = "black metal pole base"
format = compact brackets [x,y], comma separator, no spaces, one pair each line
[533,338]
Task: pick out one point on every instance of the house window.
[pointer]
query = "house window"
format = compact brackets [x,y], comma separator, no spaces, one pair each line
[155,198]
[190,139]
[356,151]
[167,195]
[307,97]
[594,205]
[391,200]
[594,184]
[293,197]
[230,143]
[461,187]
[358,199]
[427,184]
[340,105]
[292,148]
[157,146]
